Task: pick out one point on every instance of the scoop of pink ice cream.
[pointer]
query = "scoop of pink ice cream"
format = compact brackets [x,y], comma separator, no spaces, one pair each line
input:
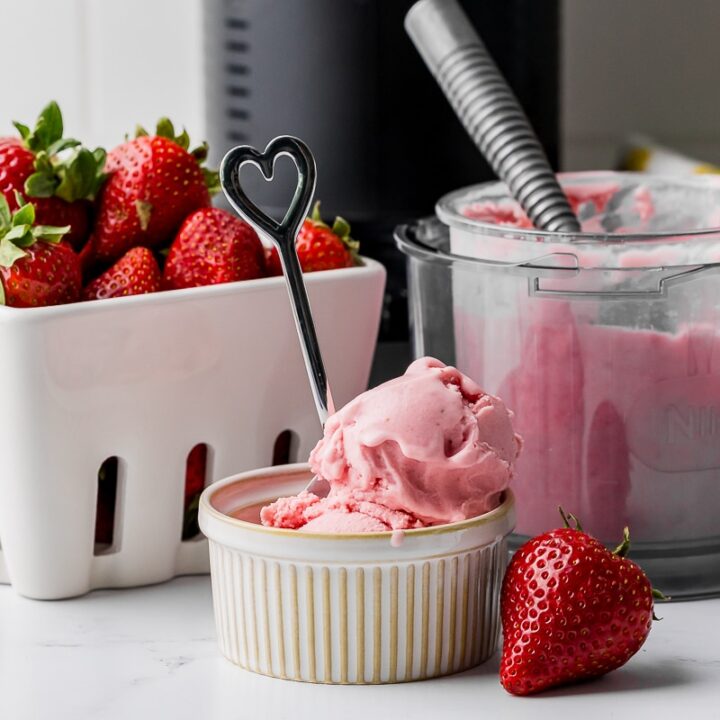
[426,448]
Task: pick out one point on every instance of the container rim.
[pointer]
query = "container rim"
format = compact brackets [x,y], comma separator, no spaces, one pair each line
[413,247]
[501,511]
[445,210]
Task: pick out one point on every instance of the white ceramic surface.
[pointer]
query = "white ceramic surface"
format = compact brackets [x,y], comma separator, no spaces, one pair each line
[350,608]
[145,379]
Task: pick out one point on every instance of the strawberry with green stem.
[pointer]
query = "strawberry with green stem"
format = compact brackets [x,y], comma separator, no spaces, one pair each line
[58,174]
[154,182]
[319,246]
[36,266]
[571,610]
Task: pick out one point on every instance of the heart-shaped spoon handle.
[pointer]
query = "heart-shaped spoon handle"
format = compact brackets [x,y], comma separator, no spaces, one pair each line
[282,235]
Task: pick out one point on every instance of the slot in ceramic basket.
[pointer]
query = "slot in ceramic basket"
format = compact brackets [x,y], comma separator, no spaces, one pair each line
[145,379]
[352,608]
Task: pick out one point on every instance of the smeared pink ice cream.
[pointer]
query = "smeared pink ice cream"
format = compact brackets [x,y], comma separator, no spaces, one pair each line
[337,513]
[588,200]
[426,448]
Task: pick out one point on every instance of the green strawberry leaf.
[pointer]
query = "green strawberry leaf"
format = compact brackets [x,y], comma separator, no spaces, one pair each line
[50,233]
[316,215]
[43,163]
[183,139]
[341,227]
[48,128]
[165,128]
[17,231]
[9,252]
[2,293]
[71,176]
[140,131]
[24,130]
[80,174]
[212,181]
[77,176]
[5,216]
[20,235]
[200,153]
[25,215]
[62,144]
[41,185]
[100,155]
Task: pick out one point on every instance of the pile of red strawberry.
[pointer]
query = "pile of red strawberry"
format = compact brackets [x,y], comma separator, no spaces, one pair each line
[77,225]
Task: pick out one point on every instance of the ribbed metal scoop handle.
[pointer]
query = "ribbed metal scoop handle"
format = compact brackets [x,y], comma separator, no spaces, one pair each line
[489,110]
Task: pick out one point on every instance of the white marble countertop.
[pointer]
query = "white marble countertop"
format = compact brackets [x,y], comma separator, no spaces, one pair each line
[151,653]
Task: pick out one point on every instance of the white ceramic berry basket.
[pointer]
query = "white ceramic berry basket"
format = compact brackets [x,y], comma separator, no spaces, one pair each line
[145,379]
[352,608]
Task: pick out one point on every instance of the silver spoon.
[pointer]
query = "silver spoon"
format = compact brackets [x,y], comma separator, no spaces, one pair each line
[282,234]
[489,110]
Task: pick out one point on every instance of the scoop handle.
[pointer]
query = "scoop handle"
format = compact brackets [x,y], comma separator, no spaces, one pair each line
[489,110]
[282,235]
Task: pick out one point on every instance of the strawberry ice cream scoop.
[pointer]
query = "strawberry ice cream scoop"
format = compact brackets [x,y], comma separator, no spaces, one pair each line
[426,448]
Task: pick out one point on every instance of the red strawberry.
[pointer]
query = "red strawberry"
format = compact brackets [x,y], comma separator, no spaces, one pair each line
[195,472]
[212,247]
[154,183]
[272,262]
[320,247]
[571,610]
[58,174]
[135,273]
[36,266]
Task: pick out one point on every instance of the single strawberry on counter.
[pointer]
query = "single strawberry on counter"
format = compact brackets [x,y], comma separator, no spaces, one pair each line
[571,610]
[319,246]
[59,175]
[36,266]
[153,184]
[135,273]
[213,247]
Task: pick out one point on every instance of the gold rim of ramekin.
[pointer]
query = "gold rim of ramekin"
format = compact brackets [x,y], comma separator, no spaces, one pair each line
[507,503]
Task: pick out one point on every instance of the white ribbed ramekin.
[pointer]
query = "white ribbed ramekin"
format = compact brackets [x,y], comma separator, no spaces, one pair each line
[350,608]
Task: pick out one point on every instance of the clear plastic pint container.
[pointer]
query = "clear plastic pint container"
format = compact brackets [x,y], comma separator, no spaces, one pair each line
[605,344]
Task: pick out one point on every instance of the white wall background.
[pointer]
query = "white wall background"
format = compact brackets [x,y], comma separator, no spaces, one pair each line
[630,66]
[649,66]
[111,64]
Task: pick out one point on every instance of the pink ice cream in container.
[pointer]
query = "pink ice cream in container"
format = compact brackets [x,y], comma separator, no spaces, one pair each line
[591,303]
[381,560]
[606,345]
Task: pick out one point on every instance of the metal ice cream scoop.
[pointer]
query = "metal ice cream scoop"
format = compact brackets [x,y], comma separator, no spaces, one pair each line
[489,110]
[282,234]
